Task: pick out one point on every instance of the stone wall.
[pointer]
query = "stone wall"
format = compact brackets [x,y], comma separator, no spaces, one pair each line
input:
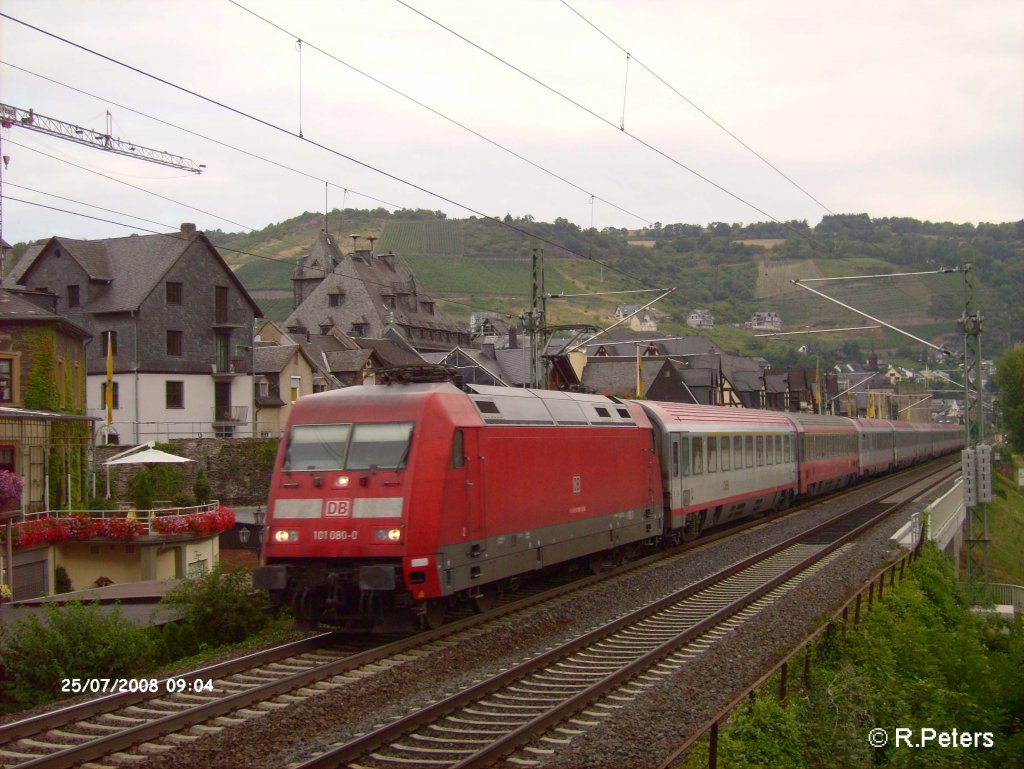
[238,469]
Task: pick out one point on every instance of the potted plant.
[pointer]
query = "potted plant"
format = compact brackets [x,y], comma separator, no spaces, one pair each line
[5,592]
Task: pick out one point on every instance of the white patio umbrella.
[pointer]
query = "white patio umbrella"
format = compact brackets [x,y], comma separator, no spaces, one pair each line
[142,455]
[147,457]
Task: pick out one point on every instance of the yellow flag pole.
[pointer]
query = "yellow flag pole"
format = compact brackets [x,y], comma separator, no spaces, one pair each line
[110,380]
[639,374]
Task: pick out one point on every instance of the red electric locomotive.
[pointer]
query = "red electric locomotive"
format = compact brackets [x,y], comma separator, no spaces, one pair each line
[389,502]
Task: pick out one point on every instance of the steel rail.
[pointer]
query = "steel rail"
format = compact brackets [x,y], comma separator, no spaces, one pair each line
[98,706]
[366,744]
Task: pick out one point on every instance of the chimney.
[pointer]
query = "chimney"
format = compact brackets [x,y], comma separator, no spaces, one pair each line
[513,338]
[187,229]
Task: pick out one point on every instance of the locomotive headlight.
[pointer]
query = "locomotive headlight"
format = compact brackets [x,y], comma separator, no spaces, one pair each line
[392,536]
[341,482]
[281,535]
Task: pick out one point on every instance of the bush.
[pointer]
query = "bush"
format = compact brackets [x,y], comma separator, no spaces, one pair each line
[72,641]
[141,489]
[101,503]
[201,489]
[220,607]
[61,580]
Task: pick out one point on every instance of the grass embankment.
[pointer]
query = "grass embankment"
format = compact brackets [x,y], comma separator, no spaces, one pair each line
[919,661]
[1006,529]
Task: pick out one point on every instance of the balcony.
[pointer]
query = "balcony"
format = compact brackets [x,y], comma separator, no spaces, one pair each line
[229,368]
[230,415]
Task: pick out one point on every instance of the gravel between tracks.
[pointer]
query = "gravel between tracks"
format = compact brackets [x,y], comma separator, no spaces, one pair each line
[638,735]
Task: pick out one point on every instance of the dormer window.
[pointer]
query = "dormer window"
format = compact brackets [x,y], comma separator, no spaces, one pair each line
[428,308]
[359,329]
[389,301]
[336,300]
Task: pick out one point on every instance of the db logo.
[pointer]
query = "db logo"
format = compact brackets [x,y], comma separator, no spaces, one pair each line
[337,508]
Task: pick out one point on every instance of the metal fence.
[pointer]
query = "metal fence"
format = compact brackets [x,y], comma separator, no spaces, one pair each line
[144,517]
[1008,595]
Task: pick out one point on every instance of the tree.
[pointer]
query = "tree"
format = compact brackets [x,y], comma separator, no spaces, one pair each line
[1010,378]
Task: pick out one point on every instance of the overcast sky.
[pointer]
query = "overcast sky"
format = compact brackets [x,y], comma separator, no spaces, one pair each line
[889,108]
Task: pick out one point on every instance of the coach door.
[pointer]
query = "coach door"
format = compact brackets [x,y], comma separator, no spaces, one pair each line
[679,474]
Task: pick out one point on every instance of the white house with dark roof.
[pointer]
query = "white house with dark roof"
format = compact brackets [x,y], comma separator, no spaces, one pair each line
[178,321]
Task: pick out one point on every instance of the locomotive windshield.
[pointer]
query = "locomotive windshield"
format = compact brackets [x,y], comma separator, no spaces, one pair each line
[317,447]
[379,445]
[348,447]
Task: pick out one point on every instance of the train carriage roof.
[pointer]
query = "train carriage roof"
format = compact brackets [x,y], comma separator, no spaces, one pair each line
[675,417]
[816,423]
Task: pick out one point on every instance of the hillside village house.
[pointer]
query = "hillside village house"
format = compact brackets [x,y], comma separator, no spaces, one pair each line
[178,323]
[700,319]
[638,320]
[764,320]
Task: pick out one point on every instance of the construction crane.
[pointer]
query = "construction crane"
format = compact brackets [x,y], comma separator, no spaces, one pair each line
[16,117]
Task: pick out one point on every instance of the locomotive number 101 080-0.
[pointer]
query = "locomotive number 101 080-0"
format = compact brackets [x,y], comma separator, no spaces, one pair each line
[335,534]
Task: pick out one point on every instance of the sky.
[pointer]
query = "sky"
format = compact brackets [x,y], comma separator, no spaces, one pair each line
[891,108]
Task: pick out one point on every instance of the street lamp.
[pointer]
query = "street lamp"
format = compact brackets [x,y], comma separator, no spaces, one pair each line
[257,518]
[245,533]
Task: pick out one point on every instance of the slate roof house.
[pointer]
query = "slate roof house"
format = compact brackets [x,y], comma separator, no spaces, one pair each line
[367,295]
[283,374]
[179,323]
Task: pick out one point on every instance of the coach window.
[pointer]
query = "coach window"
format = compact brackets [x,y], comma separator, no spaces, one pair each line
[737,452]
[712,454]
[698,456]
[777,440]
[675,457]
[750,450]
[759,449]
[458,450]
[684,457]
[726,453]
[787,447]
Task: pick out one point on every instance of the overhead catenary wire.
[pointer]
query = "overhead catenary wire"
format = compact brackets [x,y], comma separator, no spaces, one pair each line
[656,76]
[255,156]
[448,118]
[128,184]
[319,145]
[83,203]
[603,119]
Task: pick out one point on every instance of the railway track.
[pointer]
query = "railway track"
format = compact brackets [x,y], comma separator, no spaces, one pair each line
[523,714]
[126,728]
[101,726]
